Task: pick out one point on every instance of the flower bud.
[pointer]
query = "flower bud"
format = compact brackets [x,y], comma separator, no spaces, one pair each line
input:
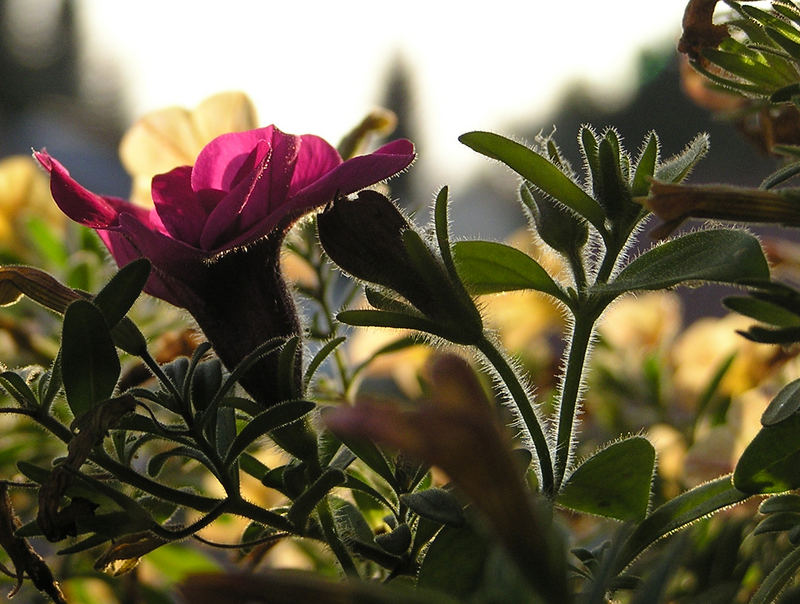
[369,238]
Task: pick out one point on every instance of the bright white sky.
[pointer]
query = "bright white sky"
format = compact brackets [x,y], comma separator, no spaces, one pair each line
[316,66]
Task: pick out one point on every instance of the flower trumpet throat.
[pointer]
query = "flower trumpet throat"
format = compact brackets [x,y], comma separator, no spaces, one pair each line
[214,233]
[675,203]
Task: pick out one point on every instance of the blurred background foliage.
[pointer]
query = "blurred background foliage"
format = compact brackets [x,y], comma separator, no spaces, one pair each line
[666,364]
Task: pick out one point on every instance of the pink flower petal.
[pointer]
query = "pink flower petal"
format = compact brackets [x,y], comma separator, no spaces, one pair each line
[226,217]
[220,161]
[80,204]
[355,174]
[181,210]
[351,176]
[315,159]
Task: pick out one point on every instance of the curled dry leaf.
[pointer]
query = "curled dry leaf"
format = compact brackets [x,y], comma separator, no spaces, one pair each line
[699,30]
[39,286]
[123,555]
[26,561]
[674,203]
[57,522]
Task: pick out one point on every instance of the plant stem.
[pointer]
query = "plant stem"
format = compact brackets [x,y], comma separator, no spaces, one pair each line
[520,397]
[570,389]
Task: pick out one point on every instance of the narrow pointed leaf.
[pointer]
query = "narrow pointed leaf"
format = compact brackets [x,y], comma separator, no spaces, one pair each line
[645,167]
[368,452]
[677,168]
[305,502]
[759,74]
[396,320]
[539,171]
[627,495]
[119,294]
[718,255]
[787,502]
[327,349]
[157,462]
[763,310]
[778,522]
[785,404]
[90,365]
[776,581]
[489,267]
[274,417]
[18,388]
[678,513]
[771,462]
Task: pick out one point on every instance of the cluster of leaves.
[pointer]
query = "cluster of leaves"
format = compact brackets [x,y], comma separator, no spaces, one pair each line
[129,472]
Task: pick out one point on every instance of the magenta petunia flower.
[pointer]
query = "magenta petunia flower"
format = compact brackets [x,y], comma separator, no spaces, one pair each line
[214,233]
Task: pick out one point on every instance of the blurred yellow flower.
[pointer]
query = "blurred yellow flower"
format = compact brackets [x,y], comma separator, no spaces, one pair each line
[717,448]
[24,195]
[172,137]
[402,367]
[670,446]
[700,350]
[640,324]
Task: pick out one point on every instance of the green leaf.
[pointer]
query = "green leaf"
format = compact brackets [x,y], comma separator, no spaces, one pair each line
[393,346]
[539,171]
[589,149]
[784,405]
[787,502]
[442,226]
[746,68]
[119,294]
[454,562]
[274,417]
[771,462]
[397,320]
[645,167]
[614,482]
[397,542]
[785,172]
[762,310]
[678,513]
[308,499]
[435,504]
[18,388]
[489,267]
[777,579]
[328,348]
[777,522]
[355,483]
[677,168]
[156,463]
[368,452]
[718,255]
[89,362]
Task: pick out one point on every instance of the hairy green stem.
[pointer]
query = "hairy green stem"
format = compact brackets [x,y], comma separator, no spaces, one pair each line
[520,397]
[570,390]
